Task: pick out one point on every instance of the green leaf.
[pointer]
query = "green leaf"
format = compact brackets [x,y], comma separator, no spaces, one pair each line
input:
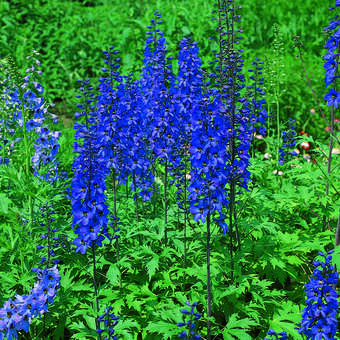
[4,203]
[162,327]
[152,265]
[113,274]
[238,327]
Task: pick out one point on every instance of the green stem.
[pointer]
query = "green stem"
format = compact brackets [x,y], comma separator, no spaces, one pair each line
[27,156]
[95,286]
[278,128]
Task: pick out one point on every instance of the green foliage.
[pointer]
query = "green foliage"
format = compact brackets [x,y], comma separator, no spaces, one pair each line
[283,220]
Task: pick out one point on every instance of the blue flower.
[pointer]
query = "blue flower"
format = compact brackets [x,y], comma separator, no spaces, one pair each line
[319,316]
[190,333]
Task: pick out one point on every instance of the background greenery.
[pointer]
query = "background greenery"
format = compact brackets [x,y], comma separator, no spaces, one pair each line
[283,218]
[70,36]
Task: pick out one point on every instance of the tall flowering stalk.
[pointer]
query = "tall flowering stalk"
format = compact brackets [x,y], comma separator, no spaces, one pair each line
[109,320]
[109,131]
[288,143]
[187,96]
[17,314]
[90,212]
[238,126]
[333,96]
[190,333]
[157,80]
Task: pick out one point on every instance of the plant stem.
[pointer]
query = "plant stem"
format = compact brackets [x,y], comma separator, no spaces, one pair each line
[165,203]
[185,214]
[127,188]
[95,286]
[27,155]
[208,273]
[330,153]
[115,221]
[135,195]
[278,128]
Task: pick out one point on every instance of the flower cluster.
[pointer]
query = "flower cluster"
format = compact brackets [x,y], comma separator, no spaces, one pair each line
[278,336]
[319,316]
[189,334]
[289,141]
[110,320]
[260,114]
[88,199]
[17,314]
[51,240]
[20,99]
[331,58]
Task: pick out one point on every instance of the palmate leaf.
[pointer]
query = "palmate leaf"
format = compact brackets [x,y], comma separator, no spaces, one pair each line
[113,274]
[286,319]
[237,328]
[4,204]
[164,328]
[152,265]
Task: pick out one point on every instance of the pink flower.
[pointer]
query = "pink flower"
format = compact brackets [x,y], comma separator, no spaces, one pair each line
[312,111]
[305,146]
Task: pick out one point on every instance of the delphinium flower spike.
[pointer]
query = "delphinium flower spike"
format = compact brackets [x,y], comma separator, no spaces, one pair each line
[187,96]
[190,332]
[259,114]
[88,198]
[51,241]
[90,211]
[289,141]
[276,336]
[156,83]
[319,316]
[109,320]
[17,314]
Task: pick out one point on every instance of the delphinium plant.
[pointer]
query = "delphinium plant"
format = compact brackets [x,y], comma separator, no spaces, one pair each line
[187,96]
[333,96]
[17,314]
[190,332]
[88,200]
[110,131]
[109,320]
[256,96]
[319,317]
[156,82]
[276,336]
[288,143]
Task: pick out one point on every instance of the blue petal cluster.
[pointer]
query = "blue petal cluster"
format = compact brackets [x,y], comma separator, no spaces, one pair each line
[29,98]
[189,334]
[88,184]
[289,141]
[319,316]
[331,60]
[109,320]
[278,336]
[17,314]
[260,114]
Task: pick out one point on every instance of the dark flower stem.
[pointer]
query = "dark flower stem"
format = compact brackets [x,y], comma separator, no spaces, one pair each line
[135,195]
[165,203]
[115,220]
[208,273]
[95,286]
[127,188]
[185,214]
